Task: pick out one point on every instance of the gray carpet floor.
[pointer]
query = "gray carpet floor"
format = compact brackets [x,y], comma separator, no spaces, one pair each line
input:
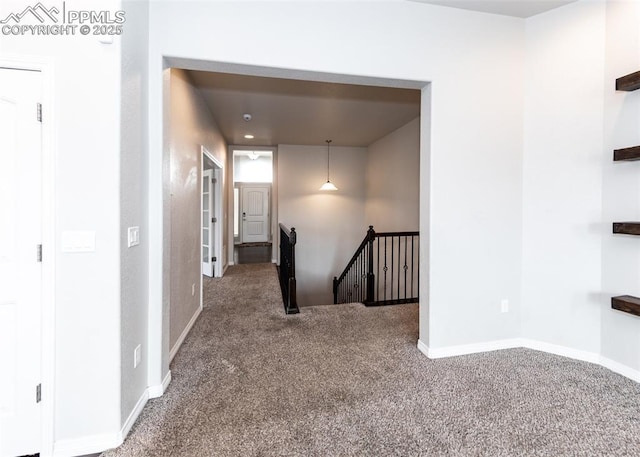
[347,380]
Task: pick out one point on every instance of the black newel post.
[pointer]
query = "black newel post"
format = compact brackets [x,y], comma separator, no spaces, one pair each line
[287,270]
[371,235]
[292,298]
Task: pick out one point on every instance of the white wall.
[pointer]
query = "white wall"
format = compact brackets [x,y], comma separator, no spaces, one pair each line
[258,170]
[474,177]
[620,332]
[573,191]
[86,111]
[134,273]
[192,125]
[475,62]
[393,180]
[100,156]
[562,192]
[330,225]
[425,213]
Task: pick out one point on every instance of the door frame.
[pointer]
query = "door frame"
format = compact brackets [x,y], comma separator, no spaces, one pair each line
[218,168]
[49,154]
[273,201]
[210,242]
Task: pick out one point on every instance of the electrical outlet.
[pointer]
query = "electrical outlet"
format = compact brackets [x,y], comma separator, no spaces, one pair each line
[504,305]
[137,356]
[193,289]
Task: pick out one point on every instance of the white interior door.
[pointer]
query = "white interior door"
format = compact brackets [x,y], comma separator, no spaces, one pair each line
[20,268]
[208,247]
[255,214]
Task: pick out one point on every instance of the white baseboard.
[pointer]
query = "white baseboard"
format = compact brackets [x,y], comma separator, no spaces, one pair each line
[452,351]
[158,391]
[87,445]
[185,332]
[585,356]
[621,369]
[564,351]
[423,348]
[137,409]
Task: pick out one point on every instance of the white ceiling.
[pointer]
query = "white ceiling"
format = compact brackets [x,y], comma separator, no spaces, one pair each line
[287,111]
[517,8]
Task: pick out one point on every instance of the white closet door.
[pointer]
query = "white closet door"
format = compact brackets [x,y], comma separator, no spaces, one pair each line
[20,268]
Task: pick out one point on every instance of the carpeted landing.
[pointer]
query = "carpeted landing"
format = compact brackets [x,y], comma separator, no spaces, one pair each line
[348,381]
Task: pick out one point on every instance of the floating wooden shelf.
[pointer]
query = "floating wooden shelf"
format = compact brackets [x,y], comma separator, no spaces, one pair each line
[627,304]
[629,82]
[632,153]
[627,228]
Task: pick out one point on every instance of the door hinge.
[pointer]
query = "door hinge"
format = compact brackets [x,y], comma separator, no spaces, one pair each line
[214,219]
[38,393]
[214,180]
[39,253]
[213,259]
[39,112]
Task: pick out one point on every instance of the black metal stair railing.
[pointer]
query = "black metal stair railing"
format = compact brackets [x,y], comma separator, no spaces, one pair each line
[383,271]
[287,269]
[350,286]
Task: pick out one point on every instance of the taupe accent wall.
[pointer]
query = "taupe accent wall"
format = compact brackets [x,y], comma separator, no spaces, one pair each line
[192,126]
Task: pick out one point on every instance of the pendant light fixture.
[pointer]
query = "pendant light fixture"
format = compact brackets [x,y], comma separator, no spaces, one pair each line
[328,185]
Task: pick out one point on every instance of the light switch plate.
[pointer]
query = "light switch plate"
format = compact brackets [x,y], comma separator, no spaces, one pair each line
[137,356]
[133,236]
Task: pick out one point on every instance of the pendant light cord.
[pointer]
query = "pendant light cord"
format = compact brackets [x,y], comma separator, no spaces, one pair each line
[328,153]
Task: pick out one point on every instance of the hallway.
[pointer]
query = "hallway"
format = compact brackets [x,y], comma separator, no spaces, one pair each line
[348,380]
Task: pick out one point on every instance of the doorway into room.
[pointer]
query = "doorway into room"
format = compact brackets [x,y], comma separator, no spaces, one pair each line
[252,203]
[212,220]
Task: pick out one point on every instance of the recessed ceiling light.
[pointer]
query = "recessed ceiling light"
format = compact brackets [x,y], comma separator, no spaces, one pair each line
[248,136]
